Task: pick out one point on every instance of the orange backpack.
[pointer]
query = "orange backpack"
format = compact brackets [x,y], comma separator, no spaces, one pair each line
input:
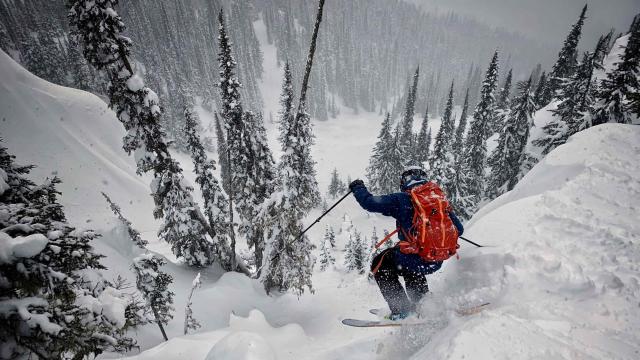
[434,236]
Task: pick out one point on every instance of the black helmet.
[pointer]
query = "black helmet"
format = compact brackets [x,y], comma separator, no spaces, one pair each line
[412,176]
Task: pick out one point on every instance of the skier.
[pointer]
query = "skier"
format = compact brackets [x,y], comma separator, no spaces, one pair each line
[403,259]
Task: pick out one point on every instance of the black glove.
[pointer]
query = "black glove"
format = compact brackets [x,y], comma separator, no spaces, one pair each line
[356,183]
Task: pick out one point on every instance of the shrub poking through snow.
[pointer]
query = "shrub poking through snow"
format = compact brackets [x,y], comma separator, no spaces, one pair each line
[190,323]
[49,307]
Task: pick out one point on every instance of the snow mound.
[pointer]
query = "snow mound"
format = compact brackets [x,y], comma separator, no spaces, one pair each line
[20,247]
[242,345]
[563,277]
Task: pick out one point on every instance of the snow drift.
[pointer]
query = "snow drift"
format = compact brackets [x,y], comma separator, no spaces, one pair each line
[563,278]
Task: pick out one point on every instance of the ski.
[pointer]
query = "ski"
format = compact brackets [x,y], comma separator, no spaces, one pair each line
[385,323]
[406,322]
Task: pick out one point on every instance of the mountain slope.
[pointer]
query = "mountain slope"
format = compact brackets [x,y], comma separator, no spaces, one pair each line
[74,134]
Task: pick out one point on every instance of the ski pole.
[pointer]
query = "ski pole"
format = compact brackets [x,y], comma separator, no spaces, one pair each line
[321,216]
[471,242]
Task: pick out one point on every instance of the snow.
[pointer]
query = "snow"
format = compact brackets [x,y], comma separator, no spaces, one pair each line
[135,83]
[20,247]
[39,320]
[563,277]
[114,304]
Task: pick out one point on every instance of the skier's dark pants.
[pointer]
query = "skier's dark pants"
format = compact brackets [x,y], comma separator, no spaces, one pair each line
[389,265]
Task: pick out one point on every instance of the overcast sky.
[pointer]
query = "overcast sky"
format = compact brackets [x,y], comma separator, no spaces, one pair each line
[544,20]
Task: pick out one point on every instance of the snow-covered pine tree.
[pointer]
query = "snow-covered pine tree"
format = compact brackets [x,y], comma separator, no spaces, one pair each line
[334,185]
[567,61]
[215,203]
[441,161]
[148,274]
[407,118]
[422,144]
[540,96]
[286,100]
[326,258]
[298,138]
[355,256]
[288,263]
[223,159]
[99,27]
[503,106]
[232,114]
[331,237]
[457,146]
[190,322]
[574,111]
[618,97]
[504,102]
[258,184]
[152,282]
[52,296]
[475,150]
[133,233]
[506,159]
[385,162]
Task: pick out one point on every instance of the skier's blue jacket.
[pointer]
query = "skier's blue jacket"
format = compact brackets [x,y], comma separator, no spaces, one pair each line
[398,205]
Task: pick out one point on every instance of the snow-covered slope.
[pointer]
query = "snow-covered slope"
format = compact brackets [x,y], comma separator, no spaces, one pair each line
[564,278]
[73,134]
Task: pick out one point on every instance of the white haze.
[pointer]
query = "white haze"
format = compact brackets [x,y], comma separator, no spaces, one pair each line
[547,21]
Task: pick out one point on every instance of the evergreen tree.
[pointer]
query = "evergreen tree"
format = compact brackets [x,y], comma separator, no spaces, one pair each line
[286,101]
[258,183]
[506,159]
[422,144]
[618,96]
[566,64]
[457,147]
[223,158]
[52,296]
[441,161]
[331,237]
[503,106]
[574,110]
[461,180]
[133,233]
[190,322]
[475,151]
[288,263]
[326,258]
[99,27]
[215,204]
[503,99]
[232,114]
[407,117]
[385,162]
[334,185]
[540,96]
[152,282]
[355,256]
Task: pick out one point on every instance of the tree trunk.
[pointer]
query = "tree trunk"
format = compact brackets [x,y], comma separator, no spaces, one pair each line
[312,50]
[164,334]
[232,233]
